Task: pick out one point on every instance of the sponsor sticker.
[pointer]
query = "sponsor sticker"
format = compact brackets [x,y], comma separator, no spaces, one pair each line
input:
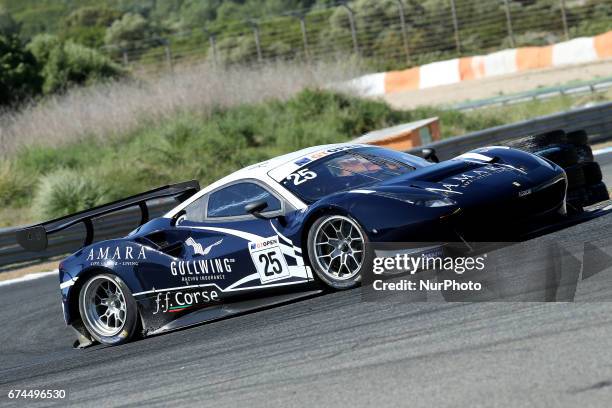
[116,255]
[269,260]
[173,302]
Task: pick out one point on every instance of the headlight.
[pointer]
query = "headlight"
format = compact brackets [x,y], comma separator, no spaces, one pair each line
[439,202]
[423,202]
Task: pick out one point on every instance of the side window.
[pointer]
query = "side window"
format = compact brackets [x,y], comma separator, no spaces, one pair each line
[230,201]
[195,211]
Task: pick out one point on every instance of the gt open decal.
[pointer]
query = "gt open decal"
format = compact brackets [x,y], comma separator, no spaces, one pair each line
[269,260]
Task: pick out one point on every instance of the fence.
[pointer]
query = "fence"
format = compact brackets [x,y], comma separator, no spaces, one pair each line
[596,120]
[385,34]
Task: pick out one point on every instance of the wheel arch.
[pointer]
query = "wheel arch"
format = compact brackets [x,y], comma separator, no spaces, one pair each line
[312,218]
[73,297]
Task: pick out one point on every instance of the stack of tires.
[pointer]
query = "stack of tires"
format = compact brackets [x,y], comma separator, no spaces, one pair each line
[572,152]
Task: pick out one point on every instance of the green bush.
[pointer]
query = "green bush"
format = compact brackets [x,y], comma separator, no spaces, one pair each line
[67,63]
[87,25]
[15,186]
[129,30]
[67,191]
[19,72]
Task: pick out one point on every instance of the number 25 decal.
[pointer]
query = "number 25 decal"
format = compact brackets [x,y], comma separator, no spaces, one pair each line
[302,176]
[271,264]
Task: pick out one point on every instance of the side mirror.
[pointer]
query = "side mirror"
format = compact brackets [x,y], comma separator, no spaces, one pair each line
[255,208]
[430,155]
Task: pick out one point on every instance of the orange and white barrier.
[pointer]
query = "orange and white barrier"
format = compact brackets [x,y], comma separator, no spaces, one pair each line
[577,51]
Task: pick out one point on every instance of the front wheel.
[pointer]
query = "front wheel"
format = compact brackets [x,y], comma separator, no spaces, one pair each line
[108,310]
[337,251]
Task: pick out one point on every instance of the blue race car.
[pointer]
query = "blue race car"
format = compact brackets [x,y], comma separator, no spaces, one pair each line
[287,228]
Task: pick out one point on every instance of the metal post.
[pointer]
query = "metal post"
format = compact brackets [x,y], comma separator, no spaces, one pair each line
[509,23]
[257,41]
[168,53]
[402,14]
[213,45]
[305,37]
[126,60]
[564,18]
[456,26]
[351,15]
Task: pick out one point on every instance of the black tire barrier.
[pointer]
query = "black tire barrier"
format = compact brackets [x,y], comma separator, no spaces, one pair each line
[578,137]
[550,138]
[585,153]
[575,177]
[539,142]
[563,155]
[592,173]
[597,193]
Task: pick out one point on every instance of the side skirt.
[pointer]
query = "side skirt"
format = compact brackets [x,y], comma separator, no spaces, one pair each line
[231,309]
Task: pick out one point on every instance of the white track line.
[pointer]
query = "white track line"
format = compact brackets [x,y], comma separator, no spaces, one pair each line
[28,277]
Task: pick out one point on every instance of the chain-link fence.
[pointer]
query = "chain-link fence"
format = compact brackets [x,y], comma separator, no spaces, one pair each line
[383,34]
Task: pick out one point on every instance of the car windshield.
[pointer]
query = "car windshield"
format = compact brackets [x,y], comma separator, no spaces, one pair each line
[344,171]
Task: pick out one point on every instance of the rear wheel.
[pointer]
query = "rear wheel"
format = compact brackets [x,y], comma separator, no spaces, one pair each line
[337,251]
[108,310]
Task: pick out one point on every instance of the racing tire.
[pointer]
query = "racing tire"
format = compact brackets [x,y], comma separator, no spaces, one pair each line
[585,154]
[578,137]
[597,193]
[575,176]
[338,251]
[108,309]
[562,155]
[592,173]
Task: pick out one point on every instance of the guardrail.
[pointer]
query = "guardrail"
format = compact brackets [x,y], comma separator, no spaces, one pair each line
[596,120]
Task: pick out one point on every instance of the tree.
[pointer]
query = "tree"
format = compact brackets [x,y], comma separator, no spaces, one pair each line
[65,64]
[130,29]
[19,76]
[8,25]
[87,25]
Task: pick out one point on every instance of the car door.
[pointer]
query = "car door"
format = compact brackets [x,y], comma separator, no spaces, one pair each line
[237,252]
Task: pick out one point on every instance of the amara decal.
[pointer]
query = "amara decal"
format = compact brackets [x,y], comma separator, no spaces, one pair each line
[127,255]
[465,179]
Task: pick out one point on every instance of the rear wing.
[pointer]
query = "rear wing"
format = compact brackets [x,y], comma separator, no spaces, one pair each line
[35,237]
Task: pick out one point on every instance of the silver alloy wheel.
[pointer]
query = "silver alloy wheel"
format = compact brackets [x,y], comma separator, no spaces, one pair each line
[104,306]
[339,247]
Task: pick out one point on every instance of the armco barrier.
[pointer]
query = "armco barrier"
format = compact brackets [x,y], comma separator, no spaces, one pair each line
[596,120]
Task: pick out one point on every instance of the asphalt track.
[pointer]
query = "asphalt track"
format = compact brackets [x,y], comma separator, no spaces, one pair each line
[329,350]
